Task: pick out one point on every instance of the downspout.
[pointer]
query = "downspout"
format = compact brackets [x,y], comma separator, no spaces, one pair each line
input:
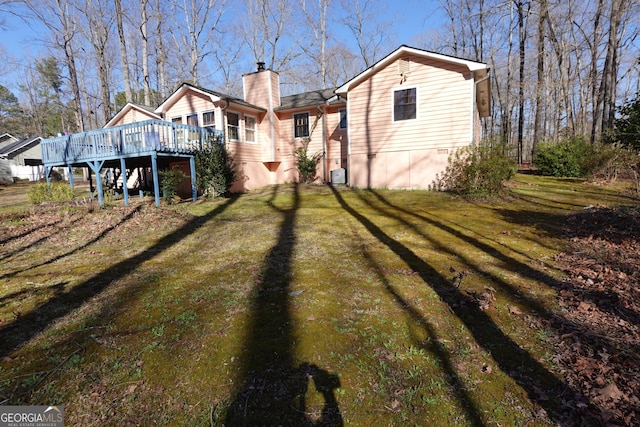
[224,124]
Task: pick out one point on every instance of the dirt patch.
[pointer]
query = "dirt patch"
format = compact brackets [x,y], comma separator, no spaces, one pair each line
[599,350]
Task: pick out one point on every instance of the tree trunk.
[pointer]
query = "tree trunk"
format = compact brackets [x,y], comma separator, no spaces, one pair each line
[123,53]
[145,52]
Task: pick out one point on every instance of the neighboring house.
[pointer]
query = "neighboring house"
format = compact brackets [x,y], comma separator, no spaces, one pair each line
[25,158]
[393,125]
[6,139]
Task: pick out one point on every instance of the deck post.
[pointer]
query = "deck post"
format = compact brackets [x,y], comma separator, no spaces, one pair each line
[125,190]
[71,177]
[194,188]
[47,172]
[96,166]
[156,184]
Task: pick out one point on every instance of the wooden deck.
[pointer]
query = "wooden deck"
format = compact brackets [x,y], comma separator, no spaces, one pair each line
[130,140]
[134,143]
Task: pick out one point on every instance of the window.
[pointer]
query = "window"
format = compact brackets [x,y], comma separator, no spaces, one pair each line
[301,125]
[233,126]
[343,118]
[179,133]
[192,119]
[249,129]
[404,104]
[209,119]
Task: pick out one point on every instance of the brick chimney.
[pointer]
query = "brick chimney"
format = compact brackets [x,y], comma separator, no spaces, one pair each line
[262,88]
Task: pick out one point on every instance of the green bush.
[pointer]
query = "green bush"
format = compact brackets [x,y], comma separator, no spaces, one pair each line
[477,170]
[307,164]
[564,159]
[215,169]
[56,192]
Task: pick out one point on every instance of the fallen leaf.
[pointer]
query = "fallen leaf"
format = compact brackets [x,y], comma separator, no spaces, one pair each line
[514,310]
[611,391]
[486,369]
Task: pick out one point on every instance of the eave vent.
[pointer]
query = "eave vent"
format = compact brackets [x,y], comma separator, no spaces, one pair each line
[404,66]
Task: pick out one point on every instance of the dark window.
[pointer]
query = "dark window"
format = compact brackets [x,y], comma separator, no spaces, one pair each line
[404,104]
[233,125]
[343,118]
[209,119]
[301,125]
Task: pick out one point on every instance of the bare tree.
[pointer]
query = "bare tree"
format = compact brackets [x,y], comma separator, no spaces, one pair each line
[265,31]
[123,51]
[57,16]
[193,36]
[97,30]
[145,51]
[370,32]
[316,16]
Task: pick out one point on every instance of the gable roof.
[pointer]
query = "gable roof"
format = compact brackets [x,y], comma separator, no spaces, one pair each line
[307,99]
[404,50]
[213,95]
[7,138]
[16,148]
[131,106]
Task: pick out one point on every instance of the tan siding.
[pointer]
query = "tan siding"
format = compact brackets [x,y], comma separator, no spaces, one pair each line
[336,141]
[133,116]
[444,109]
[191,102]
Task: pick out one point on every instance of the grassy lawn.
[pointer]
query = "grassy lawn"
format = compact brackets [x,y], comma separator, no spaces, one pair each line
[291,305]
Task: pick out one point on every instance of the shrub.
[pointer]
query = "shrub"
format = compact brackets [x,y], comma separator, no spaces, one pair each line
[610,161]
[170,180]
[215,169]
[564,159]
[477,170]
[56,192]
[307,164]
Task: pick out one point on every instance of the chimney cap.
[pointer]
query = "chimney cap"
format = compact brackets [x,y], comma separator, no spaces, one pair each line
[260,65]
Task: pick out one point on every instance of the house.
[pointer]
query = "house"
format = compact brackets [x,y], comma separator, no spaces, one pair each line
[131,113]
[24,157]
[394,126]
[6,139]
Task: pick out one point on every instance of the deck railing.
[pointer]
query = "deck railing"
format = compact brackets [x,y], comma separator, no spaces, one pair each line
[130,140]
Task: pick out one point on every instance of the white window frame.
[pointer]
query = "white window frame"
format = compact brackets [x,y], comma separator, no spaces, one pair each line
[238,126]
[190,115]
[210,125]
[341,112]
[308,124]
[254,129]
[393,104]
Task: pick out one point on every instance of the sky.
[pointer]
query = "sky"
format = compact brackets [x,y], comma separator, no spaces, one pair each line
[20,41]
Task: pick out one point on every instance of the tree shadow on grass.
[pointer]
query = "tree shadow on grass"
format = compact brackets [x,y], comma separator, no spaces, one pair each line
[72,251]
[272,389]
[541,386]
[27,326]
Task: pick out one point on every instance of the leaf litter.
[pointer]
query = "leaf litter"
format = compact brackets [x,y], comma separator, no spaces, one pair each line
[598,349]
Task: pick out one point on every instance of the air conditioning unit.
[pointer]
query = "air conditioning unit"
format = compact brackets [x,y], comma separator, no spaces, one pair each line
[339,176]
